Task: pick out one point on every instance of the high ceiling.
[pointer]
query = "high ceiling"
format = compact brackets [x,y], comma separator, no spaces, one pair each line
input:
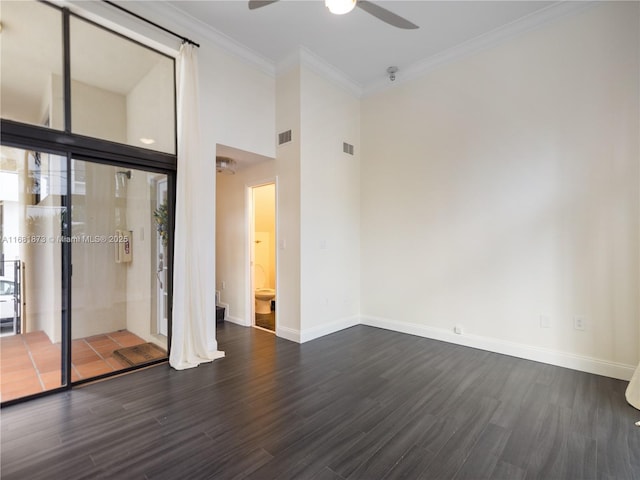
[358,44]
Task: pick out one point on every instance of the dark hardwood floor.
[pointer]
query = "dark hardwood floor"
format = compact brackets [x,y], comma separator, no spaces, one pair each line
[363,403]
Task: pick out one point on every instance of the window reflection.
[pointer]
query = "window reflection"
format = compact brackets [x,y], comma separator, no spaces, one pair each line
[31,51]
[120,91]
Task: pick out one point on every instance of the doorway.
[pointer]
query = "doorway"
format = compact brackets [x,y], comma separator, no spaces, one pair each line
[262,245]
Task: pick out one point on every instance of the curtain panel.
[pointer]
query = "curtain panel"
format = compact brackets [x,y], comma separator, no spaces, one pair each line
[192,281]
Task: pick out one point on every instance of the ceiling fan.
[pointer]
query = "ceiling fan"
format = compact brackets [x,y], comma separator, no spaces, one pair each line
[340,7]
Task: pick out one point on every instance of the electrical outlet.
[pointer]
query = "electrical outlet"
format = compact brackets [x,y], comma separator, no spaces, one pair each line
[579,323]
[458,329]
[223,285]
[545,321]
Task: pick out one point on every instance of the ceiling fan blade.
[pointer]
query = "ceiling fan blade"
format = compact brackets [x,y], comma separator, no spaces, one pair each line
[385,15]
[253,4]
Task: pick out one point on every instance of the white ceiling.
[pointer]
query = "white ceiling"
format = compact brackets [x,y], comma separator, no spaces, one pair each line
[357,44]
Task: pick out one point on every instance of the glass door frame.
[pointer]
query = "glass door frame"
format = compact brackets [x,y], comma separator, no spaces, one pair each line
[171,186]
[25,141]
[65,143]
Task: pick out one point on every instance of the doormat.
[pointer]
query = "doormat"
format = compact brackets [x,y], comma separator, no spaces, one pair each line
[140,354]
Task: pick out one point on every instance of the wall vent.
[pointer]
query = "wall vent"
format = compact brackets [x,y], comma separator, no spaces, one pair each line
[284,137]
[347,148]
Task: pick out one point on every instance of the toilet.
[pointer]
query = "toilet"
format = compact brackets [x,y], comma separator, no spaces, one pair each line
[263,296]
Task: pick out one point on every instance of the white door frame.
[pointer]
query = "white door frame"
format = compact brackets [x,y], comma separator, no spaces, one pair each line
[250,251]
[162,326]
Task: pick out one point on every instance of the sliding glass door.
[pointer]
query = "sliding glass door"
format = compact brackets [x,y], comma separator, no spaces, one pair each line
[118,274]
[85,279]
[33,203]
[114,229]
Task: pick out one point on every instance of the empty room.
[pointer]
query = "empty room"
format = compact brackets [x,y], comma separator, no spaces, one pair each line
[320,240]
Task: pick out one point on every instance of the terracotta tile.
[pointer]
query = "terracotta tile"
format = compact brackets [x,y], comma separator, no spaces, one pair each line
[7,347]
[129,340]
[47,363]
[81,348]
[84,358]
[9,340]
[93,369]
[51,379]
[8,353]
[6,396]
[96,339]
[116,363]
[45,352]
[24,375]
[17,363]
[107,351]
[91,357]
[36,337]
[21,388]
[124,333]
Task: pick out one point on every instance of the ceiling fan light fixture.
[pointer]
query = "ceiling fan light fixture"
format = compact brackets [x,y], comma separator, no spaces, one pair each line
[340,7]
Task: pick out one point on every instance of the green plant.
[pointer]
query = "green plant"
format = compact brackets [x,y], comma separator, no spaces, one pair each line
[161,216]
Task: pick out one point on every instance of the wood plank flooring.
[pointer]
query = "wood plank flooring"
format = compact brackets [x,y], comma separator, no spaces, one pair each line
[363,403]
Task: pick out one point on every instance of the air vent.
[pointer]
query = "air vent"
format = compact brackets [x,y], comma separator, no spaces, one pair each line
[347,148]
[284,137]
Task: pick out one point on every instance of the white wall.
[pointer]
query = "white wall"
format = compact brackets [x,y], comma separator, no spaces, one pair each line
[146,116]
[42,261]
[318,198]
[141,279]
[98,113]
[232,211]
[99,284]
[329,207]
[503,187]
[264,212]
[288,205]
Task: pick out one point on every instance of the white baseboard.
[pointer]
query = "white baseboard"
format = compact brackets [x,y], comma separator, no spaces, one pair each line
[288,333]
[322,330]
[553,357]
[237,321]
[226,309]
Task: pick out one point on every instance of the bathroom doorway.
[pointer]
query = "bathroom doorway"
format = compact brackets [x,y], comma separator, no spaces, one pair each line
[263,255]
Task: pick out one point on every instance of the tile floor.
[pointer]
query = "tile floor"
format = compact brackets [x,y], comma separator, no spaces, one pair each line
[31,363]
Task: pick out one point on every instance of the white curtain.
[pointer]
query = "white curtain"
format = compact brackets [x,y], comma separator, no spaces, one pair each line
[192,282]
[633,390]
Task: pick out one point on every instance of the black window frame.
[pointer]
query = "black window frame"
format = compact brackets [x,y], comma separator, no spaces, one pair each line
[71,145]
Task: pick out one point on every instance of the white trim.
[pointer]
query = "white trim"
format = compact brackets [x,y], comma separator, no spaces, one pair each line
[226,309]
[288,333]
[479,43]
[326,329]
[249,235]
[303,57]
[318,65]
[237,321]
[199,31]
[544,355]
[287,63]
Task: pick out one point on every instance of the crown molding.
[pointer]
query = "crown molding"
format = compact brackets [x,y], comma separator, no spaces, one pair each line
[482,42]
[201,30]
[172,17]
[304,57]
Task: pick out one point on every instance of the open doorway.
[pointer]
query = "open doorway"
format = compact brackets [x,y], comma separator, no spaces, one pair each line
[263,255]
